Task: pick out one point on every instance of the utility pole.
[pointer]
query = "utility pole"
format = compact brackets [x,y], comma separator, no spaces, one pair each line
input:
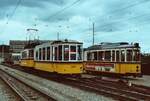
[93,34]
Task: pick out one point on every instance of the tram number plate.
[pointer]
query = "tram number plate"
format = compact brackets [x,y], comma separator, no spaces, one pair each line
[104,68]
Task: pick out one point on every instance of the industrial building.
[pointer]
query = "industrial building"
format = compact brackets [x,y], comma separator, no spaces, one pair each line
[4,53]
[16,46]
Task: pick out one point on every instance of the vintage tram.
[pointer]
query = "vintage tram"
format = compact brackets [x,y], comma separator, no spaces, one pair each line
[60,56]
[113,59]
[27,55]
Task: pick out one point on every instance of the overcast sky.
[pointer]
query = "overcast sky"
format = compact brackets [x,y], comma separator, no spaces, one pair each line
[115,20]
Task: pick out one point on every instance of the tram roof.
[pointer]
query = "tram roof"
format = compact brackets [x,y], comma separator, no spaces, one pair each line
[66,41]
[118,45]
[55,42]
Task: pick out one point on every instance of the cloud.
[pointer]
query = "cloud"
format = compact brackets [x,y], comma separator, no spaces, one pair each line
[115,20]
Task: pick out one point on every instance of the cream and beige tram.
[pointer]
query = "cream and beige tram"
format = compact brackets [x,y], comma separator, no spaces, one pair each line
[115,59]
[61,56]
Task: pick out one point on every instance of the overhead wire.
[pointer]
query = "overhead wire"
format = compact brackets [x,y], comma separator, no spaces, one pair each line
[14,10]
[62,10]
[9,17]
[125,19]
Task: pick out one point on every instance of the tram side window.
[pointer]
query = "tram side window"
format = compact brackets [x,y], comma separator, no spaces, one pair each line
[66,52]
[30,53]
[73,48]
[100,55]
[48,53]
[56,53]
[107,55]
[129,55]
[73,52]
[24,55]
[95,56]
[89,55]
[136,55]
[37,55]
[117,55]
[60,52]
[122,55]
[43,53]
[40,53]
[79,53]
[113,55]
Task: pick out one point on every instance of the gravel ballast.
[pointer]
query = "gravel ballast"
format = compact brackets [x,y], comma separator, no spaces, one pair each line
[61,92]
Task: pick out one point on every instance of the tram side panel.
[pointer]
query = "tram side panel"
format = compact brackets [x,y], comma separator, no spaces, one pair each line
[128,69]
[59,67]
[120,69]
[27,63]
[27,59]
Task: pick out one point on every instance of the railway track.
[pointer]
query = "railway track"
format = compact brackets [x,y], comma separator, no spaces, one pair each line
[106,90]
[25,92]
[115,90]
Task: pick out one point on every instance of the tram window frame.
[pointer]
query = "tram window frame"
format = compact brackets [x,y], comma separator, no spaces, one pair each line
[36,55]
[55,53]
[122,56]
[89,56]
[40,54]
[129,55]
[108,55]
[48,53]
[100,55]
[60,52]
[72,56]
[66,53]
[113,55]
[117,55]
[136,56]
[43,53]
[95,55]
[24,54]
[73,48]
[31,53]
[73,52]
[79,52]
